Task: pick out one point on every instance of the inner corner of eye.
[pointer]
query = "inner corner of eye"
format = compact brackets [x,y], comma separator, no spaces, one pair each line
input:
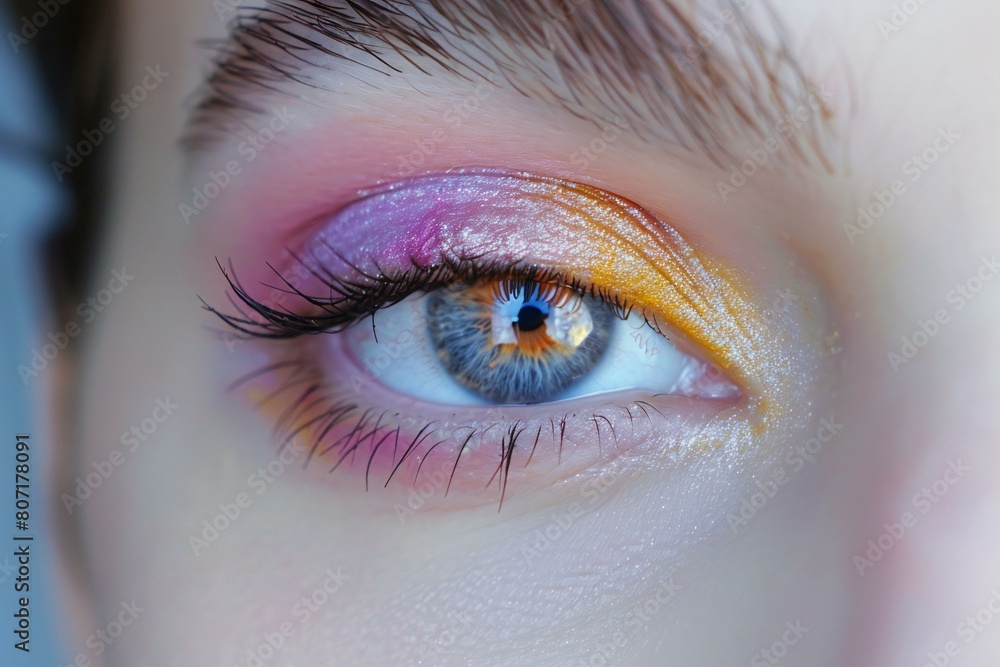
[516,340]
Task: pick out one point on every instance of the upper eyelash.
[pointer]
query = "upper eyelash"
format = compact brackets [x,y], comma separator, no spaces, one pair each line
[351,301]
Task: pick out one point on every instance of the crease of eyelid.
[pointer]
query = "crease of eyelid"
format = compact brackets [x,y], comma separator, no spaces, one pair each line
[602,61]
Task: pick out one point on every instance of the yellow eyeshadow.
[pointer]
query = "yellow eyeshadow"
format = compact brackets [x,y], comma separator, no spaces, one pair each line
[658,272]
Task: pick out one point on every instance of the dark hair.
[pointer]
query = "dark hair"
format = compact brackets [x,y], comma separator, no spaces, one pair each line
[75,54]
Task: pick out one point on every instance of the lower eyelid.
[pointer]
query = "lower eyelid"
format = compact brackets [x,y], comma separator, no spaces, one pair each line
[344,430]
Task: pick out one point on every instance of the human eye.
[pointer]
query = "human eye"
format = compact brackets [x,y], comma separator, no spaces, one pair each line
[491,330]
[518,336]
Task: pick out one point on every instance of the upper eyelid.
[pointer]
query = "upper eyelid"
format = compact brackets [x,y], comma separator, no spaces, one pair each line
[646,73]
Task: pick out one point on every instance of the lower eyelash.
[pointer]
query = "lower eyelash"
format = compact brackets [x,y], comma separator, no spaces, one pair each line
[314,409]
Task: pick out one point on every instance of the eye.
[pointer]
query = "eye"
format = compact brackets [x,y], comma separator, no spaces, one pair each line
[494,329]
[515,340]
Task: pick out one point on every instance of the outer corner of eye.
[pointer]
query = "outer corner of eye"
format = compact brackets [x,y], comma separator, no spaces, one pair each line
[493,328]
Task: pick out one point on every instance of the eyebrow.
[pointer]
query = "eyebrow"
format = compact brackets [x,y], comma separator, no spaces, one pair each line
[706,82]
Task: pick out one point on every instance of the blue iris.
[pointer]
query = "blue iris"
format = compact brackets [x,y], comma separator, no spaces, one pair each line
[533,370]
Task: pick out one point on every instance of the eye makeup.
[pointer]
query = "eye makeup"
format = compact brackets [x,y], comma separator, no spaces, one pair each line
[431,233]
[510,217]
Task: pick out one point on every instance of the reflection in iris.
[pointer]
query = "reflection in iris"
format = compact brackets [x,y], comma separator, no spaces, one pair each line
[517,341]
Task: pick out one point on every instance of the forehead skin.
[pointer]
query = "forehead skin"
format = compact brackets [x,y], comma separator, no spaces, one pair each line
[899,98]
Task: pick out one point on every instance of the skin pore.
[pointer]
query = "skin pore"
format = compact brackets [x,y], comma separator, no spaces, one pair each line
[856,528]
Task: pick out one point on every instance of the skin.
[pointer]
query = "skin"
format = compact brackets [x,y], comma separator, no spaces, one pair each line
[448,584]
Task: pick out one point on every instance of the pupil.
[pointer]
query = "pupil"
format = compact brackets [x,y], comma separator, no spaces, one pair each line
[530,318]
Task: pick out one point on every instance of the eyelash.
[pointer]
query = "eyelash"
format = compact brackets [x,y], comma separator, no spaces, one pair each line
[351,301]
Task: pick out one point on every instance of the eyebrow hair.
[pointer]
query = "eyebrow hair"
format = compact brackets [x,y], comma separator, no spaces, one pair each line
[641,64]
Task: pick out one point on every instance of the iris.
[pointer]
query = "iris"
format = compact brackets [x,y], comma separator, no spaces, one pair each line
[516,340]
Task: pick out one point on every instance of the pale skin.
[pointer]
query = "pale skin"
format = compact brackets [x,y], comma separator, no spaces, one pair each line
[911,454]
